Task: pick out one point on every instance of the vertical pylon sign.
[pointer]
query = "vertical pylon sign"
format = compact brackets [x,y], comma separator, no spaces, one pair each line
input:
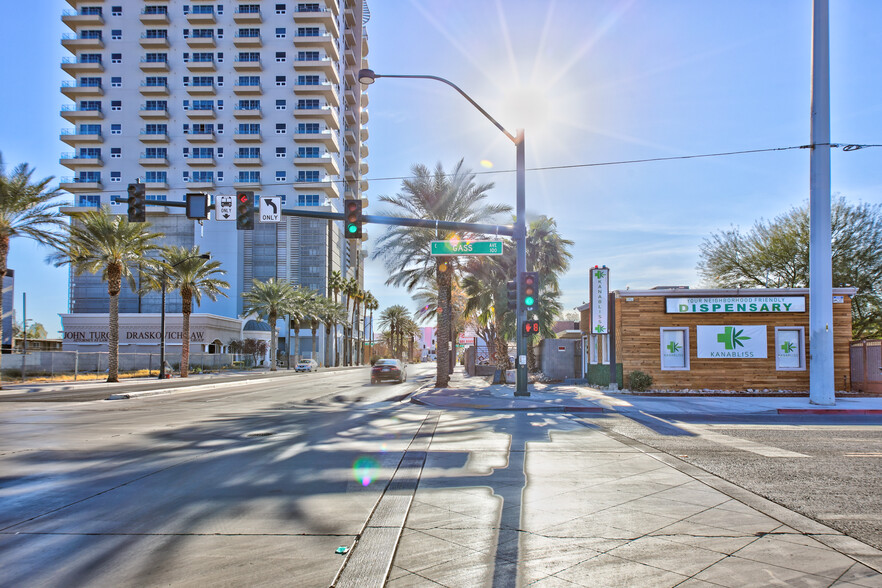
[599,300]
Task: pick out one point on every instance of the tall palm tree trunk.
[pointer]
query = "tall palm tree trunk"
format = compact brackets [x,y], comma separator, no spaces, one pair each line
[186,309]
[4,253]
[442,366]
[272,321]
[114,285]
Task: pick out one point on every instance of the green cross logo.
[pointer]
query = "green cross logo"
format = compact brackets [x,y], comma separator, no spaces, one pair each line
[788,347]
[598,274]
[731,338]
[600,329]
[673,347]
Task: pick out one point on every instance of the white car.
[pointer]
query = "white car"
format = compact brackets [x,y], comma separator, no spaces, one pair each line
[307,365]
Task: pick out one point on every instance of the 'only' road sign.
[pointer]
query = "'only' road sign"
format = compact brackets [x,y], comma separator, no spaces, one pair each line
[270,209]
[456,247]
[223,207]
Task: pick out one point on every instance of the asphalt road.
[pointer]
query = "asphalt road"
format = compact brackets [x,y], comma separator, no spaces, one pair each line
[825,467]
[203,487]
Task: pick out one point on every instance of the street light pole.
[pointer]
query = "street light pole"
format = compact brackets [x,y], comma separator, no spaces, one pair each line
[162,312]
[367,76]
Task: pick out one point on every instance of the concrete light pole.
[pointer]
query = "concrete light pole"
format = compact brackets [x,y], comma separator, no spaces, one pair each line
[367,76]
[821,376]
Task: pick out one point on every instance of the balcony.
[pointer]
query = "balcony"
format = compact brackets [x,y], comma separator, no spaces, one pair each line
[72,66]
[74,161]
[192,160]
[154,89]
[364,134]
[328,163]
[240,137]
[151,161]
[198,42]
[351,93]
[201,90]
[248,113]
[201,137]
[350,115]
[247,161]
[323,65]
[200,185]
[363,168]
[75,20]
[247,17]
[153,137]
[326,113]
[202,17]
[154,113]
[323,41]
[349,15]
[246,41]
[247,184]
[330,188]
[74,43]
[324,89]
[332,5]
[248,65]
[72,113]
[244,90]
[363,151]
[154,18]
[74,90]
[156,185]
[325,137]
[154,66]
[76,184]
[201,113]
[154,42]
[351,56]
[322,16]
[74,136]
[207,65]
[363,117]
[350,156]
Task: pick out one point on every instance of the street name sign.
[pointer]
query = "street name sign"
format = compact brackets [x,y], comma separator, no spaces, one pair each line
[223,207]
[270,209]
[467,247]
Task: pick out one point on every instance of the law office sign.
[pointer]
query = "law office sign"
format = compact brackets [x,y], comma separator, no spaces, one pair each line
[599,300]
[735,304]
[731,341]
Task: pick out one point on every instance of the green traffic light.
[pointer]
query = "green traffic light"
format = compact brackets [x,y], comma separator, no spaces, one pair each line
[352,228]
[529,301]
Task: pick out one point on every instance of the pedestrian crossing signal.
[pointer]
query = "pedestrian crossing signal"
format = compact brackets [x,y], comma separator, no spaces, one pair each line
[531,328]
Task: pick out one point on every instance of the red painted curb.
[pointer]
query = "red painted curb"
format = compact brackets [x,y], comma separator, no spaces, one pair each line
[856,411]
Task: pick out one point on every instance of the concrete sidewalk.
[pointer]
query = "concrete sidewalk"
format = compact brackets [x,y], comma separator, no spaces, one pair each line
[476,393]
[529,499]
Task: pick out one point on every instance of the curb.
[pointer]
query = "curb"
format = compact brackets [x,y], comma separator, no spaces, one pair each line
[853,411]
[196,388]
[535,408]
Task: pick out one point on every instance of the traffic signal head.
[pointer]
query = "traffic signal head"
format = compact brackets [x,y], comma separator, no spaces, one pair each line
[352,218]
[197,205]
[137,203]
[531,328]
[512,294]
[530,290]
[244,211]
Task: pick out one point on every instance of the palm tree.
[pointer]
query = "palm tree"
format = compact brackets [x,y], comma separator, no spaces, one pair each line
[192,275]
[350,289]
[394,319]
[406,251]
[27,209]
[332,313]
[270,300]
[371,304]
[101,241]
[313,311]
[336,282]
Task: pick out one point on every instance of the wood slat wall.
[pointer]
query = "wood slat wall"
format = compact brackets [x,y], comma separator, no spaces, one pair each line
[638,348]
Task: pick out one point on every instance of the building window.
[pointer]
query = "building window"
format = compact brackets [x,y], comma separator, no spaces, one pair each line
[116,58]
[116,11]
[115,152]
[308,80]
[281,104]
[115,176]
[790,348]
[280,176]
[308,32]
[281,152]
[115,105]
[308,152]
[155,177]
[281,128]
[116,82]
[116,129]
[281,56]
[308,104]
[675,348]
[280,9]
[91,200]
[280,32]
[281,80]
[307,200]
[308,176]
[307,128]
[157,197]
[116,34]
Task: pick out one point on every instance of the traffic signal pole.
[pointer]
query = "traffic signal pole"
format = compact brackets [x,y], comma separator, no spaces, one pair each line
[520,237]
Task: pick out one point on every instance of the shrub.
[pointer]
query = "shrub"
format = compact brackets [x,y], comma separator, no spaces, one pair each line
[640,381]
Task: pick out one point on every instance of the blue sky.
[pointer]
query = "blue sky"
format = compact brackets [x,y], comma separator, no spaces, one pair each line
[590,82]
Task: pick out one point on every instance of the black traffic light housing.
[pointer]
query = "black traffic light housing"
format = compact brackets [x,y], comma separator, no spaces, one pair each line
[197,205]
[245,211]
[512,294]
[530,290]
[352,210]
[137,203]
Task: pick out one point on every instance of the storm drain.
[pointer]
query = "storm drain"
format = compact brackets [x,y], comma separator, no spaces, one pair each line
[368,562]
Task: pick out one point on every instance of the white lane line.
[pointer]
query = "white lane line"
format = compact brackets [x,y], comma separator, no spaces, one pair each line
[736,443]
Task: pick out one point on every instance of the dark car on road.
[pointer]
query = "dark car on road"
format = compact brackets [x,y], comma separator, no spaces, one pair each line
[388,369]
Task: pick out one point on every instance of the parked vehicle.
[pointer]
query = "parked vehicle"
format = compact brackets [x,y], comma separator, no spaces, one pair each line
[307,365]
[388,369]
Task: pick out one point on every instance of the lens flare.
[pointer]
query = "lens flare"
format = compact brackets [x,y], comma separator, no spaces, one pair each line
[365,470]
[486,163]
